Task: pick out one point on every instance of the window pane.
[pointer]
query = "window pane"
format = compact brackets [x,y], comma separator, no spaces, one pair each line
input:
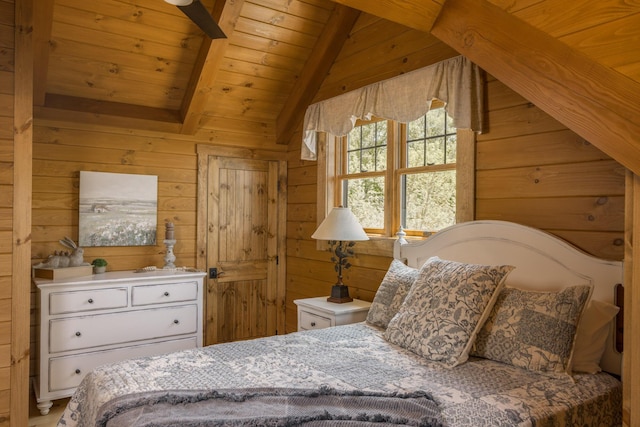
[436,122]
[365,198]
[354,139]
[381,158]
[431,140]
[416,129]
[429,200]
[353,161]
[367,148]
[435,151]
[369,135]
[415,154]
[452,144]
[368,160]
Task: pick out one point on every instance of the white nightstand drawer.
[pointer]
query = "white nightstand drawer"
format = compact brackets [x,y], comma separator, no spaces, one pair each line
[107,329]
[86,300]
[164,293]
[318,313]
[67,372]
[313,321]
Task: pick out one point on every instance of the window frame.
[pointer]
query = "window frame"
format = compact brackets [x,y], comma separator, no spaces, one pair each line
[381,241]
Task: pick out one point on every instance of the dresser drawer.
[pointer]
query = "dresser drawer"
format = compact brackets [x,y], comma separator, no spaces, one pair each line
[67,372]
[86,300]
[164,293]
[108,329]
[313,321]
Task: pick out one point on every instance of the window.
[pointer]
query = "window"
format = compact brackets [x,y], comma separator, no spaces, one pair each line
[417,175]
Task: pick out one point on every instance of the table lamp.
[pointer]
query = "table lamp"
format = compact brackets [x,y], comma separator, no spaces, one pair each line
[342,229]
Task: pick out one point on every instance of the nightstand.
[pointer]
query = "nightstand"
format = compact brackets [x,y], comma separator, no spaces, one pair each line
[318,313]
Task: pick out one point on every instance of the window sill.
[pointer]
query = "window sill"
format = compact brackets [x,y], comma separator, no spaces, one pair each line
[381,245]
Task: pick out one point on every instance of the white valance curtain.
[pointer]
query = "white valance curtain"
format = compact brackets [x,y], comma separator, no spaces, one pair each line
[405,98]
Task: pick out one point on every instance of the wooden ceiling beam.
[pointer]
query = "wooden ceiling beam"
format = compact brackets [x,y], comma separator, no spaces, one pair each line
[416,14]
[42,24]
[596,102]
[208,63]
[330,42]
[73,109]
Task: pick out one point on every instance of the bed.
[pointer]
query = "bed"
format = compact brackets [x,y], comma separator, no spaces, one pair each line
[486,323]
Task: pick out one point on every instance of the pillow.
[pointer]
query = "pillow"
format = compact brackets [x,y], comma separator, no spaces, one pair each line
[533,330]
[391,293]
[444,309]
[591,338]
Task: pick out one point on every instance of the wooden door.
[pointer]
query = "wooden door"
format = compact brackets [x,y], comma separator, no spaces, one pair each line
[242,246]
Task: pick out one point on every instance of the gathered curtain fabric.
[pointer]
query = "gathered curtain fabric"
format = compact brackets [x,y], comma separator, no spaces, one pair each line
[457,82]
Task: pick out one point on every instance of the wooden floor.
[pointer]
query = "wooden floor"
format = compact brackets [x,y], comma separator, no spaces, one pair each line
[49,420]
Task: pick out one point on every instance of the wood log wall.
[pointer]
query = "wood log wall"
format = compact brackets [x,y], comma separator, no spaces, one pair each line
[529,168]
[6,202]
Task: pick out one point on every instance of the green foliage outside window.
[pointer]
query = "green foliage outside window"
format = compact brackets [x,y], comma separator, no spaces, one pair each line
[365,198]
[427,193]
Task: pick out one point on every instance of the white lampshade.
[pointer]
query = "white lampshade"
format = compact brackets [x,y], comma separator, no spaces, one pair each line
[340,224]
[179,2]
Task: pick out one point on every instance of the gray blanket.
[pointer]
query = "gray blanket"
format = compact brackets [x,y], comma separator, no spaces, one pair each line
[269,407]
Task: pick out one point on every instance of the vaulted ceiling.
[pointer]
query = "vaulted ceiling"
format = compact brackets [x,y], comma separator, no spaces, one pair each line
[143,64]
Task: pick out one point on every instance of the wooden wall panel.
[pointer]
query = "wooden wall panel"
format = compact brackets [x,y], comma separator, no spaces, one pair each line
[532,170]
[529,169]
[6,204]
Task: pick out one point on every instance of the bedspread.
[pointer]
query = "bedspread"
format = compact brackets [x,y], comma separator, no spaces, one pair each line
[477,393]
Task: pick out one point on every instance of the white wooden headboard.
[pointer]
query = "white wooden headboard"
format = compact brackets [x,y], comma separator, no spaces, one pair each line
[543,262]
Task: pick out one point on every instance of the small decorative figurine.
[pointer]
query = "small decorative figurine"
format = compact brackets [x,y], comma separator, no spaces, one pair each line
[63,259]
[169,242]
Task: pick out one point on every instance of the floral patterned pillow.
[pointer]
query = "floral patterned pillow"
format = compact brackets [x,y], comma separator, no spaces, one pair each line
[391,293]
[533,330]
[445,308]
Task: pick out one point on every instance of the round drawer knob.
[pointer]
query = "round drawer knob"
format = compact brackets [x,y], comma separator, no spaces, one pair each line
[90,301]
[78,334]
[313,323]
[78,371]
[176,321]
[166,294]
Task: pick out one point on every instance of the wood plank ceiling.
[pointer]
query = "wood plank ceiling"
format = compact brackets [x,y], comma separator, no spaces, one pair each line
[142,64]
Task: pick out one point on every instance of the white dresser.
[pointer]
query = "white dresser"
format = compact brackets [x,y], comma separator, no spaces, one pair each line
[91,320]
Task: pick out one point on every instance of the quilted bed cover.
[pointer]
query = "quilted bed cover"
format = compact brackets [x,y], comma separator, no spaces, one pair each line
[477,393]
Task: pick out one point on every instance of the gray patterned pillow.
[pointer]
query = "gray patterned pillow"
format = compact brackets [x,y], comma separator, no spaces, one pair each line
[533,330]
[391,293]
[445,308]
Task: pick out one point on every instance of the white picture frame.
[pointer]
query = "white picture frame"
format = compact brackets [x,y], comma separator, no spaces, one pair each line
[117,209]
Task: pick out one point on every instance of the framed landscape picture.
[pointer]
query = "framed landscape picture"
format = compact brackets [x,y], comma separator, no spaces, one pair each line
[117,209]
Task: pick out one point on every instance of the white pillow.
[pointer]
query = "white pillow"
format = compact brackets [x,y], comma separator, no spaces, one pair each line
[591,337]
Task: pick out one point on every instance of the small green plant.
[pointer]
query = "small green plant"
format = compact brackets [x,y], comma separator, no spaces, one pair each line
[99,262]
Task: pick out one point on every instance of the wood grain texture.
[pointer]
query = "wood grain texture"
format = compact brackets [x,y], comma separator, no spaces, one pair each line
[267,53]
[592,100]
[207,65]
[21,238]
[417,14]
[335,33]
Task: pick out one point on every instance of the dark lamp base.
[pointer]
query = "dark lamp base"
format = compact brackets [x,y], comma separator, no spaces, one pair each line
[340,294]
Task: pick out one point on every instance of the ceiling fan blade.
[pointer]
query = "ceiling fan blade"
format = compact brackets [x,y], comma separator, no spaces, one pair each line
[200,16]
